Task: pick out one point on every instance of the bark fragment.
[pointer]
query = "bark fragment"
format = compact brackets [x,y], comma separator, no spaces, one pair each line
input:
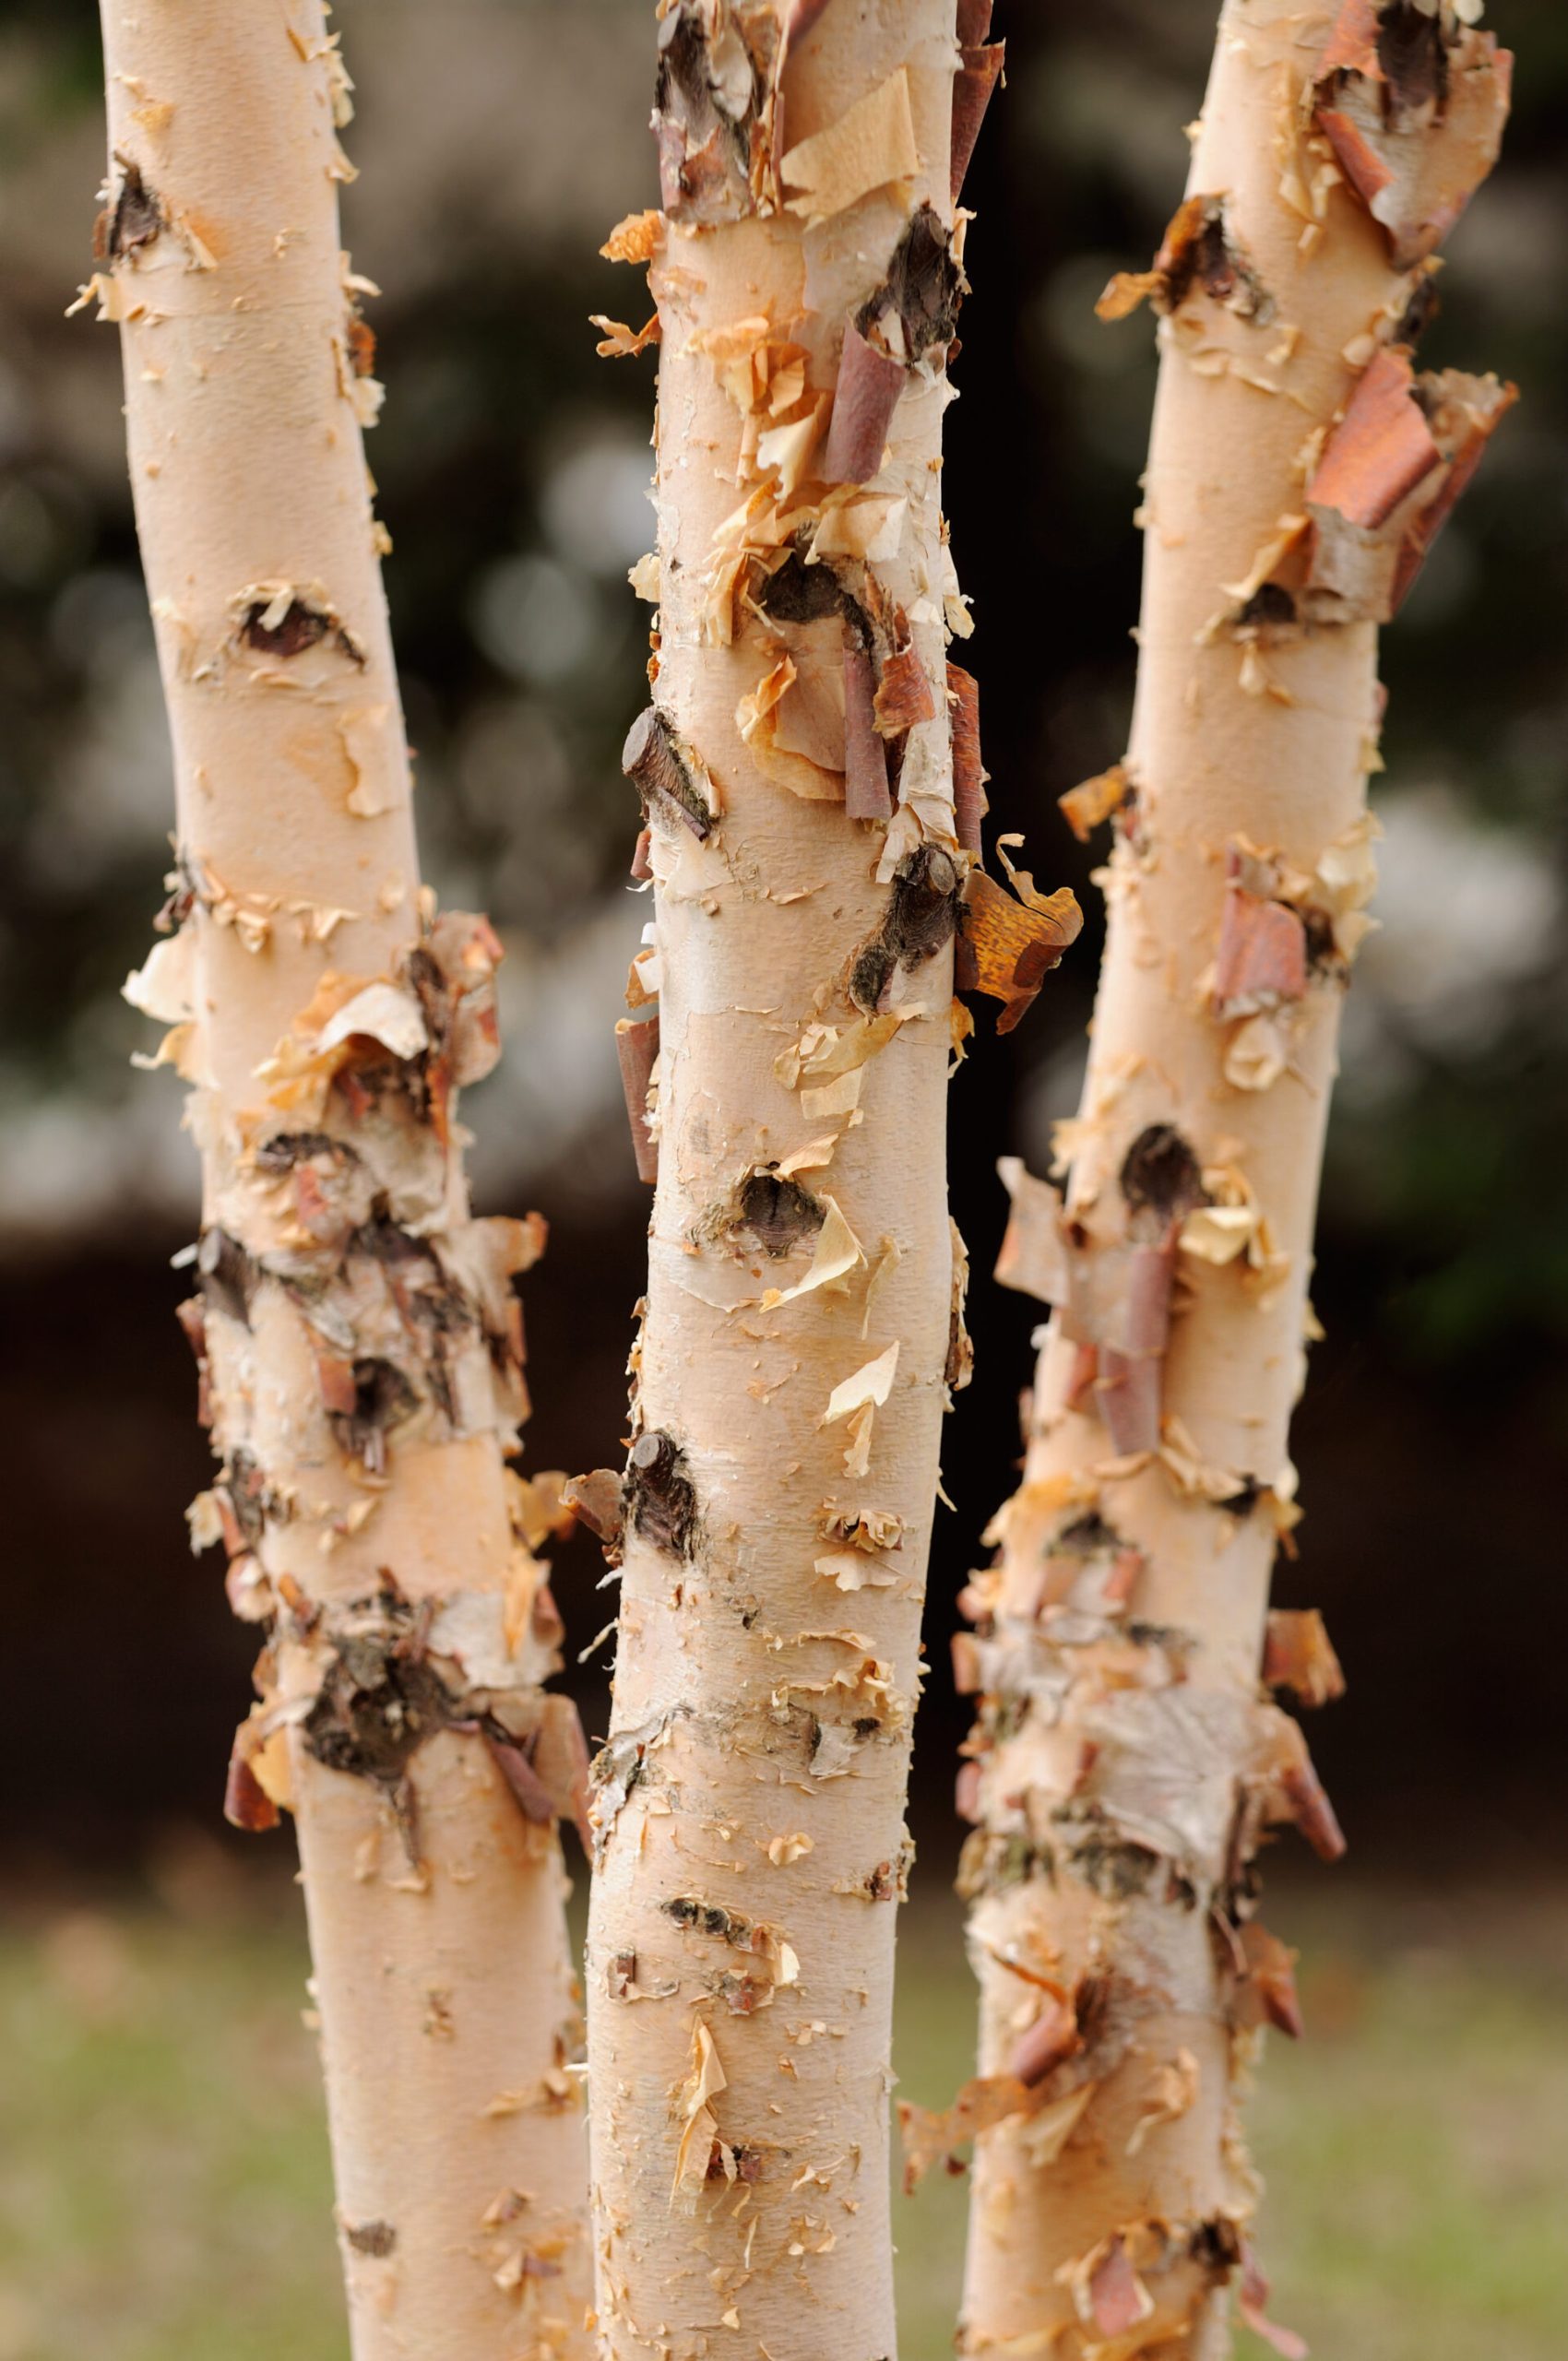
[1391,471]
[1010,945]
[666,775]
[1412,100]
[636,1047]
[1198,256]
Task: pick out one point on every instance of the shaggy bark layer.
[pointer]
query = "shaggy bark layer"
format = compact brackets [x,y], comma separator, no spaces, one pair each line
[804,1319]
[1127,1756]
[358,1336]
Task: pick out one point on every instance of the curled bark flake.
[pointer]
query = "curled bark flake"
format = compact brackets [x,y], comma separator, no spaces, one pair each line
[1084,807]
[597,1501]
[931,2136]
[1391,473]
[1253,2297]
[903,698]
[548,1771]
[1299,1655]
[1115,2297]
[1117,1298]
[1008,947]
[666,775]
[978,76]
[1412,100]
[1197,256]
[865,395]
[871,145]
[1034,1257]
[1265,1982]
[969,774]
[660,1498]
[192,1317]
[959,1367]
[922,914]
[246,1803]
[1261,961]
[1051,2039]
[1290,1792]
[133,221]
[636,1047]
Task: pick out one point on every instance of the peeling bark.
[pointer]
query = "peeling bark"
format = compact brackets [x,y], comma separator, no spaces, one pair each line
[1127,1758]
[359,1337]
[804,1315]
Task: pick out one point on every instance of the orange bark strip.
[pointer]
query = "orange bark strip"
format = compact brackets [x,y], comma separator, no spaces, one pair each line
[978,78]
[969,773]
[1381,449]
[1012,947]
[636,1046]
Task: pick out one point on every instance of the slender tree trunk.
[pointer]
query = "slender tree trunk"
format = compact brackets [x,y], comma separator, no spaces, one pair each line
[357,1331]
[1127,1759]
[803,1320]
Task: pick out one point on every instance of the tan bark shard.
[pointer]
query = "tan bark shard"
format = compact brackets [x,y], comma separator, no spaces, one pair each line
[804,1322]
[1127,1758]
[358,1338]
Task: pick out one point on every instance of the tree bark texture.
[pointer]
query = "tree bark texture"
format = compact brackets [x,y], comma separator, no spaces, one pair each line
[1128,1756]
[804,1318]
[356,1332]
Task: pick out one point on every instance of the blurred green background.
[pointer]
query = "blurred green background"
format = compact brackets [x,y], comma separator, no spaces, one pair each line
[162,2182]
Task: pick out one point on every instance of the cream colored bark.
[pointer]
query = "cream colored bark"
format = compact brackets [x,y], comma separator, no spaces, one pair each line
[356,1329]
[1127,1758]
[800,1317]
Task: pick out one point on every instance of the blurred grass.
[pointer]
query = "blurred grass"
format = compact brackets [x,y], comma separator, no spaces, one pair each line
[164,2190]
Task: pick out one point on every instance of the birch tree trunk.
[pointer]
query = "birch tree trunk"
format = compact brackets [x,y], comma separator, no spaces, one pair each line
[1127,1758]
[356,1332]
[804,1313]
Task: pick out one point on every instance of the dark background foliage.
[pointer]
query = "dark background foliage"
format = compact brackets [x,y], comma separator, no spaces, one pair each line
[498,139]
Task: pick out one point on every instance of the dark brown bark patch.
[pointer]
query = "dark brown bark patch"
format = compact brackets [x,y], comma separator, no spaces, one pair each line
[134,220]
[922,914]
[383,1399]
[1160,1175]
[376,2238]
[917,304]
[798,593]
[302,626]
[774,1212]
[381,1697]
[228,1275]
[1413,57]
[664,773]
[660,1498]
